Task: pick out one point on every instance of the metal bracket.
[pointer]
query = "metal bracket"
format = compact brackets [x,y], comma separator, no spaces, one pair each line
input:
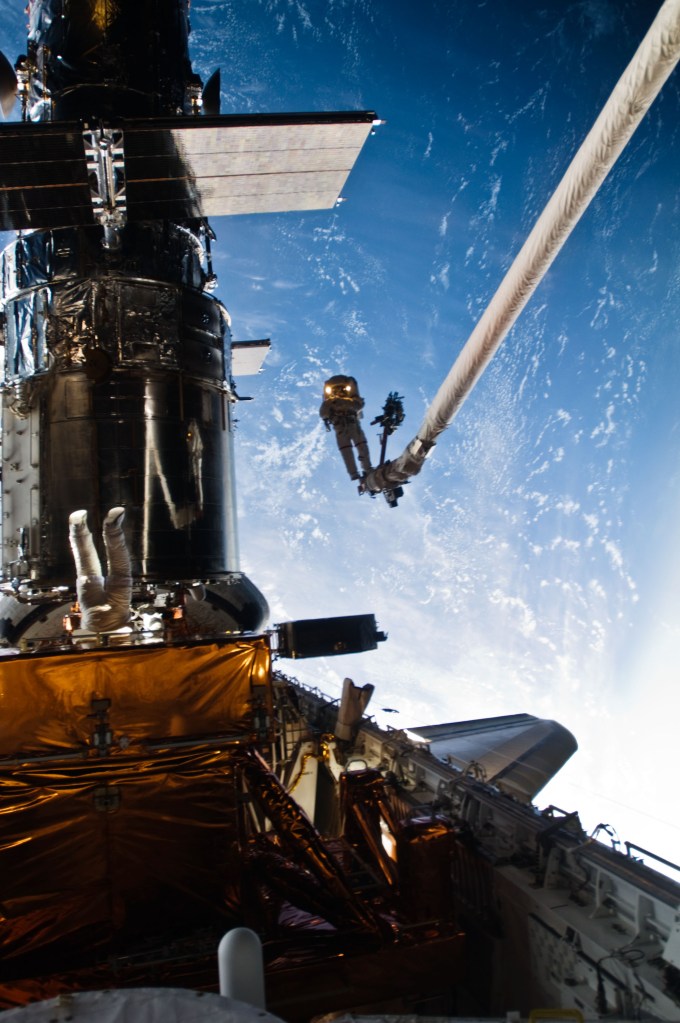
[101,736]
[105,157]
[106,798]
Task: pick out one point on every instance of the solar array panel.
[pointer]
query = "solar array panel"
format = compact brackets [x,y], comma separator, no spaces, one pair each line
[181,168]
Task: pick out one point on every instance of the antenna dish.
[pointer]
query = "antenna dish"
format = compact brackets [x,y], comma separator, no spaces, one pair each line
[8,85]
[211,95]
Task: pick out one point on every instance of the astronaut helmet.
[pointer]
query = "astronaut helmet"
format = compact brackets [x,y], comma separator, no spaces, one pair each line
[341,387]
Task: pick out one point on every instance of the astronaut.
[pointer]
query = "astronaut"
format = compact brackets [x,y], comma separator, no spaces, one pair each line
[104,601]
[341,410]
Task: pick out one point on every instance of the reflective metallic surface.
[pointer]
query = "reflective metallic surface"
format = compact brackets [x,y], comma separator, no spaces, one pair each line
[108,58]
[158,692]
[117,394]
[118,771]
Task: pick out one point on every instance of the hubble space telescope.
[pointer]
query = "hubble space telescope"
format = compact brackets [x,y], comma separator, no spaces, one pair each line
[118,386]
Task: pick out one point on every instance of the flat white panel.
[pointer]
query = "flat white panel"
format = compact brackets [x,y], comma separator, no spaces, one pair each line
[247,357]
[233,205]
[270,138]
[269,168]
[237,185]
[280,162]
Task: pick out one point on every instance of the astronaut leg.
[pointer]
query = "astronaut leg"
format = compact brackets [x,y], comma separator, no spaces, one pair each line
[362,449]
[89,578]
[84,551]
[344,439]
[119,579]
[114,541]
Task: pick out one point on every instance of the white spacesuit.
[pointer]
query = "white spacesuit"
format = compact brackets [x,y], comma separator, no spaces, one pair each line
[104,601]
[341,410]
